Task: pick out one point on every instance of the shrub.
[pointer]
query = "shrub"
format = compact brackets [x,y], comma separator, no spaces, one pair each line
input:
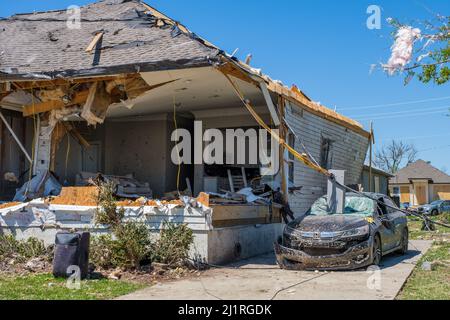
[174,243]
[107,212]
[102,251]
[131,243]
[22,250]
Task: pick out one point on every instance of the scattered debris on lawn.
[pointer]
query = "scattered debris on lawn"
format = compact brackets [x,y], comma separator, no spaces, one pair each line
[21,256]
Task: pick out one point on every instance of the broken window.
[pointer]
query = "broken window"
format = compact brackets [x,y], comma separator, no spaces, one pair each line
[325,153]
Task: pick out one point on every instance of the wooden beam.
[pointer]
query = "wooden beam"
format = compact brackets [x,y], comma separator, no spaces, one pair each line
[79,98]
[269,102]
[94,42]
[16,138]
[26,85]
[230,69]
[57,135]
[76,134]
[162,16]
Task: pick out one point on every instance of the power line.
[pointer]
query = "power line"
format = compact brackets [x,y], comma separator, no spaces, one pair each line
[394,104]
[410,115]
[415,137]
[435,148]
[444,108]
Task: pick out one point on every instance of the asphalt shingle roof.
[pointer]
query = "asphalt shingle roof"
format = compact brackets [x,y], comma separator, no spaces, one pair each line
[41,44]
[420,170]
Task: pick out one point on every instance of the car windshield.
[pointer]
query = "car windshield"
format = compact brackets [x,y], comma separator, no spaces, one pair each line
[435,203]
[353,206]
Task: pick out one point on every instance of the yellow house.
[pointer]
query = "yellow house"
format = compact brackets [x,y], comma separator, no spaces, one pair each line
[420,183]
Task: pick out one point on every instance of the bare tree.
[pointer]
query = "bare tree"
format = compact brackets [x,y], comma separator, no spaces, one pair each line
[393,156]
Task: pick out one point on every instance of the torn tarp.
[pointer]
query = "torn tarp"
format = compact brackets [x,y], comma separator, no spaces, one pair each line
[43,184]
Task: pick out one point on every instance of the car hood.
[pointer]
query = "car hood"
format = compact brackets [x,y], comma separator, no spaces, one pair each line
[329,223]
[426,207]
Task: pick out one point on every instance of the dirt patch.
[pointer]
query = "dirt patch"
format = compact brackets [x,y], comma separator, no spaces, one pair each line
[38,265]
[149,275]
[9,204]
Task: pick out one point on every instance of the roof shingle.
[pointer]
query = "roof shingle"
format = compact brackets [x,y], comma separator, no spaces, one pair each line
[42,45]
[420,170]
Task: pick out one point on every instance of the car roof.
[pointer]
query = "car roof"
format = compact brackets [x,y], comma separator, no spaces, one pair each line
[372,195]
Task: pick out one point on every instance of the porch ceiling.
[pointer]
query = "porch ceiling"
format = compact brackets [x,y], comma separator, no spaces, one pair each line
[192,90]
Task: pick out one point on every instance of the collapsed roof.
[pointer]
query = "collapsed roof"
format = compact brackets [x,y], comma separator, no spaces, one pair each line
[122,37]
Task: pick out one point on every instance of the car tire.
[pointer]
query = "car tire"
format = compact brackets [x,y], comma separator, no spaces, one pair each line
[404,242]
[376,251]
[434,212]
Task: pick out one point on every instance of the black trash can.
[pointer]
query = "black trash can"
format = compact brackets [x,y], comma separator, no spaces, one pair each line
[71,249]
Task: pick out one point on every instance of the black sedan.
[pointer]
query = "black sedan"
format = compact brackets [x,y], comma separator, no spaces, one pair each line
[361,236]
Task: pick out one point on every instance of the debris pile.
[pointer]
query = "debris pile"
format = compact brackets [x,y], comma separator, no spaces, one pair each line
[243,196]
[43,184]
[127,186]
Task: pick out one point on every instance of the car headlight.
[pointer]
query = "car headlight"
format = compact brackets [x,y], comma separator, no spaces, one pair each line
[361,231]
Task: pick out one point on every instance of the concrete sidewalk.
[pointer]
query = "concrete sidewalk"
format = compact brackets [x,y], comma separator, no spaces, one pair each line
[261,279]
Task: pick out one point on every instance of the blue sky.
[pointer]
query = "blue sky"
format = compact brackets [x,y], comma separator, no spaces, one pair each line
[325,48]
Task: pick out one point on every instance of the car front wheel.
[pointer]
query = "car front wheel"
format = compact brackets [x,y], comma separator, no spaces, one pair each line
[376,250]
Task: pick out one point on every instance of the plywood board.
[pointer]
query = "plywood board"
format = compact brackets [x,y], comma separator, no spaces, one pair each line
[442,192]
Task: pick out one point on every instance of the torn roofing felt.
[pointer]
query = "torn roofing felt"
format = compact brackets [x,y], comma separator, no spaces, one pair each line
[41,46]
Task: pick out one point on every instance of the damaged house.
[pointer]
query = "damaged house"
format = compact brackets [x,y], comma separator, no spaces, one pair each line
[101,98]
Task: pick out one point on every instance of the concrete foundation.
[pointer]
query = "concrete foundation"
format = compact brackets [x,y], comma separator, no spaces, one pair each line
[212,245]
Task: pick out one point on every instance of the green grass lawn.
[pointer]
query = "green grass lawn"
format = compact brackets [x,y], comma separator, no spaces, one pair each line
[46,287]
[415,232]
[435,284]
[430,285]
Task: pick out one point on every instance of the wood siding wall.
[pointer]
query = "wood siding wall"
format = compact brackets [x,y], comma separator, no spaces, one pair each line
[348,152]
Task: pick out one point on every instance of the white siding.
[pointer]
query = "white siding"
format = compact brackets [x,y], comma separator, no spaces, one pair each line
[348,152]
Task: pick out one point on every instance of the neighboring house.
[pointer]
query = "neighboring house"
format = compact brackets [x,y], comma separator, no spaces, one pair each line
[107,96]
[420,183]
[380,180]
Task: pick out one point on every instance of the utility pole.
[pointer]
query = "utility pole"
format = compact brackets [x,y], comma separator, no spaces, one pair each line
[372,142]
[336,194]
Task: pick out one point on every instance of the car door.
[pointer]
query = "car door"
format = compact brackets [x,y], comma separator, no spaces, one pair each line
[397,220]
[387,228]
